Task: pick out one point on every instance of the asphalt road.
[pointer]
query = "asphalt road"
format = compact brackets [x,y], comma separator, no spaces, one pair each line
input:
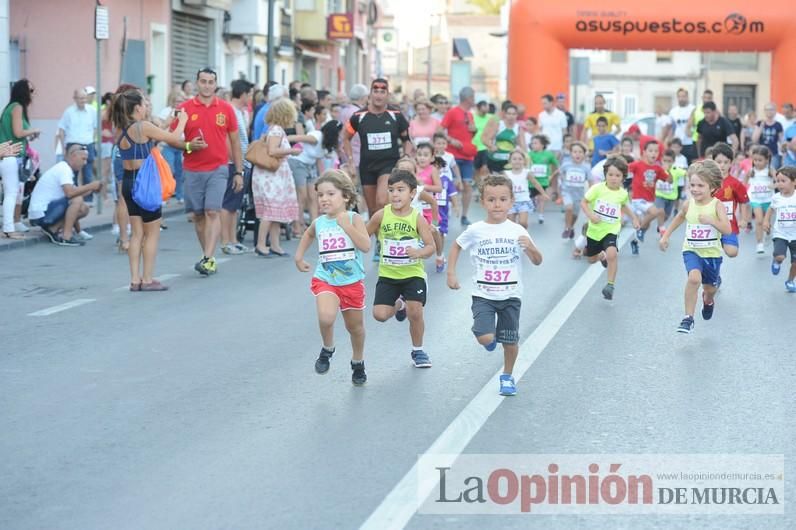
[199,408]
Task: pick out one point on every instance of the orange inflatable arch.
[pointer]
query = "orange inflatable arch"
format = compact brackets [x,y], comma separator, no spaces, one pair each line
[542,32]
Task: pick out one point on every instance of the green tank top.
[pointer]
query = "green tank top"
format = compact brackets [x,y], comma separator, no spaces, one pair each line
[704,240]
[480,125]
[506,142]
[699,115]
[7,128]
[396,236]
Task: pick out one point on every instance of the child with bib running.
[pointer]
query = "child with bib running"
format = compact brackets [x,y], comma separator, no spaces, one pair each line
[667,194]
[544,167]
[644,173]
[705,219]
[760,187]
[520,177]
[603,205]
[448,175]
[783,211]
[496,247]
[338,281]
[574,176]
[731,193]
[406,241]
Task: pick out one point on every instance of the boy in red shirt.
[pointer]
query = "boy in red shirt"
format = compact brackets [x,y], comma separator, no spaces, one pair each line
[645,173]
[731,193]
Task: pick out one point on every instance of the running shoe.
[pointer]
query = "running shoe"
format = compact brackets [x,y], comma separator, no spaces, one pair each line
[775,267]
[243,248]
[421,359]
[507,385]
[322,364]
[541,219]
[377,252]
[231,249]
[491,346]
[608,291]
[71,242]
[707,310]
[358,376]
[761,248]
[686,326]
[400,315]
[465,221]
[83,236]
[54,238]
[640,234]
[211,266]
[790,286]
[634,247]
[201,267]
[441,265]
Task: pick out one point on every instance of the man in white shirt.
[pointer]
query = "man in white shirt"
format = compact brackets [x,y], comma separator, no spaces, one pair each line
[553,124]
[680,115]
[56,203]
[78,125]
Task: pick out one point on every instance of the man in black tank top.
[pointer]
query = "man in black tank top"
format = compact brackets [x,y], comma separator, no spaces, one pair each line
[382,132]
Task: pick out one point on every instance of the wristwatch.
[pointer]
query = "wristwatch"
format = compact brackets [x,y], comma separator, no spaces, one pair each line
[237,173]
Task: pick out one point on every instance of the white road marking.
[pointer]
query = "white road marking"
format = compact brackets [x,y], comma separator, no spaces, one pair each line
[400,505]
[223,260]
[62,307]
[161,279]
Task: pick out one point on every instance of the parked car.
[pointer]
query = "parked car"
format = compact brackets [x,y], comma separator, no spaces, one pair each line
[645,122]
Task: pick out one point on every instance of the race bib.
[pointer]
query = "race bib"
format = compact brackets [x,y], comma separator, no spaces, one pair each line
[786,214]
[335,246]
[442,198]
[664,187]
[496,279]
[729,206]
[575,176]
[701,236]
[539,170]
[761,193]
[607,211]
[395,252]
[379,141]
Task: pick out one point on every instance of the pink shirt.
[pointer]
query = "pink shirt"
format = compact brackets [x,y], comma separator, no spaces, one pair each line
[423,132]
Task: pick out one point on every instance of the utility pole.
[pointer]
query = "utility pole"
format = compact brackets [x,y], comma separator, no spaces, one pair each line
[101,32]
[271,44]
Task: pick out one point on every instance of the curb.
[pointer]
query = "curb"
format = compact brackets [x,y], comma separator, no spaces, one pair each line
[41,237]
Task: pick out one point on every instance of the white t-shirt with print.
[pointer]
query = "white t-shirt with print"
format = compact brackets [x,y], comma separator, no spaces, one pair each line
[496,256]
[680,117]
[519,183]
[49,188]
[784,217]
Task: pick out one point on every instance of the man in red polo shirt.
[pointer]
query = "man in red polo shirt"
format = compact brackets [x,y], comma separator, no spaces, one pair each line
[461,128]
[211,124]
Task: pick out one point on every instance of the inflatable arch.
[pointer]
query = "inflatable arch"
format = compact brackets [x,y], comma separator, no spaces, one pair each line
[542,32]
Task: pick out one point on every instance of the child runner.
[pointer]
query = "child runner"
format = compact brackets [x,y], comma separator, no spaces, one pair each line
[520,177]
[573,185]
[644,174]
[451,167]
[667,194]
[338,279]
[680,160]
[428,176]
[760,187]
[705,218]
[496,247]
[603,205]
[566,155]
[783,210]
[605,143]
[446,197]
[544,167]
[731,193]
[401,289]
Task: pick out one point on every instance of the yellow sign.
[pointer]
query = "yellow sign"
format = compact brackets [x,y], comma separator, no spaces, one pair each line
[340,26]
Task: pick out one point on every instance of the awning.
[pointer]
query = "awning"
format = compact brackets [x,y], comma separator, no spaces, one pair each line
[461,48]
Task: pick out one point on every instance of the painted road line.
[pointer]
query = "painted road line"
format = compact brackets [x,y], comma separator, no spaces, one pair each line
[161,279]
[62,307]
[401,504]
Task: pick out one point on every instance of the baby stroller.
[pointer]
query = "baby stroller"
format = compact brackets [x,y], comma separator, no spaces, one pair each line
[247,218]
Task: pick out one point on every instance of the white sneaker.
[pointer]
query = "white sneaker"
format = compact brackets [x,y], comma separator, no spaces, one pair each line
[115,230]
[84,236]
[21,227]
[761,249]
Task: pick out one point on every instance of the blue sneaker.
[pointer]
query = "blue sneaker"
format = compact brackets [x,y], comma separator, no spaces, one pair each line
[491,346]
[707,310]
[421,359]
[790,286]
[634,247]
[507,385]
[400,315]
[686,326]
[775,267]
[377,252]
[640,234]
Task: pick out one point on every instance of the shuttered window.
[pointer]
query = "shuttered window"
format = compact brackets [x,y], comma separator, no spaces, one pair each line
[190,46]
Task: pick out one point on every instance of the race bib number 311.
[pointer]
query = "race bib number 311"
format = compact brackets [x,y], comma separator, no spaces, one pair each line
[379,141]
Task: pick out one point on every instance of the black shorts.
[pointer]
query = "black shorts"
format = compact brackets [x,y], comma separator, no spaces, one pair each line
[388,290]
[370,172]
[132,207]
[781,247]
[232,199]
[535,192]
[481,159]
[594,247]
[496,166]
[485,311]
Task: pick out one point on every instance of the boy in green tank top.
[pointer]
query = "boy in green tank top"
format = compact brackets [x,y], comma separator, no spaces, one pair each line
[405,239]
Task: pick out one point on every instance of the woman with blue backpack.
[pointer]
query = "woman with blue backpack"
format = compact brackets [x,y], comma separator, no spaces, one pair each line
[141,181]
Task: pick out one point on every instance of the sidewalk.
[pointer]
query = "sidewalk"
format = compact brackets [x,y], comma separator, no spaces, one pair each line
[93,223]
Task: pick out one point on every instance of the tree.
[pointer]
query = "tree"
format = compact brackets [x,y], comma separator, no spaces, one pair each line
[487,7]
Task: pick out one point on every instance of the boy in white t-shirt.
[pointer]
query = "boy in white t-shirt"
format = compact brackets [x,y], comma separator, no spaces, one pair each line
[496,247]
[780,221]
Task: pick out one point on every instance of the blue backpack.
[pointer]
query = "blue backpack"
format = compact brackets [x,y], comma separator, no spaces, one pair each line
[146,190]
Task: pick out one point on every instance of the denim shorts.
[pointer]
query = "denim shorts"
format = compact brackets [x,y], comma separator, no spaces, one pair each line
[466,168]
[56,211]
